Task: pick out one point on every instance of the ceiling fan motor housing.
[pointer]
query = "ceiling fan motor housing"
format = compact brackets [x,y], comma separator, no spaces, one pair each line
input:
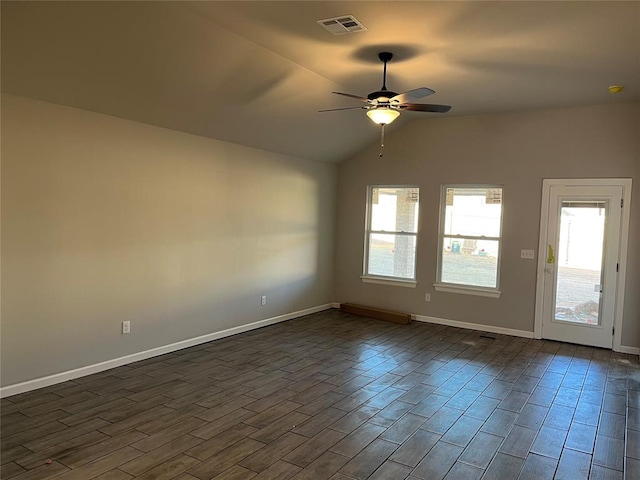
[382,93]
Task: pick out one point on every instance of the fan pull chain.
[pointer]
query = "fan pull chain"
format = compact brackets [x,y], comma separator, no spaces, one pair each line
[382,141]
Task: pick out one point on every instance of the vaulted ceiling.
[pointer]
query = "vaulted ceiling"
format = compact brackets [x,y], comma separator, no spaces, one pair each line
[257,72]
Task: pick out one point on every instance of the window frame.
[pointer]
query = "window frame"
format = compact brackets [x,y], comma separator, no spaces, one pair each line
[493,292]
[366,277]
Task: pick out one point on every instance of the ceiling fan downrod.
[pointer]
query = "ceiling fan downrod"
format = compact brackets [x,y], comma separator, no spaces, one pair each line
[385,57]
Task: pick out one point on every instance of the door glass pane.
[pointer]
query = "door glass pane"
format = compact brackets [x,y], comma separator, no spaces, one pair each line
[579,262]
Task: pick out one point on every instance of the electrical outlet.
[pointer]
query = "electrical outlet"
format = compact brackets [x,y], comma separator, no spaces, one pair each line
[126,327]
[528,254]
[427,297]
[263,300]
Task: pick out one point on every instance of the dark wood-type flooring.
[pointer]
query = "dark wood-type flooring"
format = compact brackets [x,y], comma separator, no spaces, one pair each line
[335,396]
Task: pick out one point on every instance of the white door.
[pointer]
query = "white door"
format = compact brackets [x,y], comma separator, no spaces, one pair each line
[579,263]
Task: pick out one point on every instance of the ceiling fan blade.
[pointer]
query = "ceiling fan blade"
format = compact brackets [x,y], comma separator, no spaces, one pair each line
[425,107]
[357,97]
[414,94]
[345,108]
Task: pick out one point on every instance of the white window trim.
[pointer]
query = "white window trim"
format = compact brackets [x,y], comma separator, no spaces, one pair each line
[397,282]
[463,288]
[382,280]
[467,290]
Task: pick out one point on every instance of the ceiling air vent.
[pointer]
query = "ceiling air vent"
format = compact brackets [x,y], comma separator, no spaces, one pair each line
[342,25]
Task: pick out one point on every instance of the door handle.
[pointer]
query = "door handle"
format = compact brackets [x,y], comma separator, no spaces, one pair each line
[550,258]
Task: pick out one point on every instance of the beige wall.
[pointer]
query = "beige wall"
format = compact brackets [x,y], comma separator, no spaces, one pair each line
[515,150]
[105,220]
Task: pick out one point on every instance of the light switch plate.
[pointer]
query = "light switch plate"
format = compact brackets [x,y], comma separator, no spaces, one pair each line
[528,254]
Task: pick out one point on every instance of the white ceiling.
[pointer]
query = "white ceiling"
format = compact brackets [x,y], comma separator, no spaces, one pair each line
[256,73]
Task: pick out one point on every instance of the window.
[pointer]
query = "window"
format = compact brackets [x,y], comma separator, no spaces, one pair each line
[391,231]
[469,243]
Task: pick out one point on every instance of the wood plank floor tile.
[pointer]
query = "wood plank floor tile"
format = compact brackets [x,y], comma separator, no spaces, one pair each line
[462,471]
[601,473]
[609,452]
[270,400]
[314,447]
[58,450]
[437,463]
[267,417]
[101,465]
[573,465]
[549,442]
[280,426]
[55,439]
[279,471]
[236,473]
[325,466]
[353,443]
[504,466]
[392,412]
[581,437]
[632,469]
[403,428]
[537,467]
[369,459]
[272,452]
[81,454]
[354,419]
[337,396]
[415,448]
[612,425]
[151,442]
[318,422]
[134,420]
[160,455]
[224,459]
[114,475]
[481,450]
[219,442]
[462,431]
[221,424]
[57,402]
[31,434]
[518,442]
[389,470]
[11,469]
[170,469]
[43,472]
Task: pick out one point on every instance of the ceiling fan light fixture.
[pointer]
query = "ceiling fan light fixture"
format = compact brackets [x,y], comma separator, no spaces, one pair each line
[383,115]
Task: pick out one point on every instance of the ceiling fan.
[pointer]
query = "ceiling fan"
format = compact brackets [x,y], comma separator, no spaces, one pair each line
[384,106]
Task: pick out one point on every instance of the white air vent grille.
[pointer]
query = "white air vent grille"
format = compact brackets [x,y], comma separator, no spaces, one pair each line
[342,25]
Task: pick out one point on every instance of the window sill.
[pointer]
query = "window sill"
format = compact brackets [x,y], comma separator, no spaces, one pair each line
[389,281]
[481,292]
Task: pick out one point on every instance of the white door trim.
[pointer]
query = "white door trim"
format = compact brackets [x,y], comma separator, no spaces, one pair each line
[625,183]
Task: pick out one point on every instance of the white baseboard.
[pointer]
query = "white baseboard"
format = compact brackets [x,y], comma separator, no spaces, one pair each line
[499,330]
[629,350]
[473,326]
[42,382]
[10,390]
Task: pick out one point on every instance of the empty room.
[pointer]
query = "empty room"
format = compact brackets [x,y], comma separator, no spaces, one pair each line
[320,240]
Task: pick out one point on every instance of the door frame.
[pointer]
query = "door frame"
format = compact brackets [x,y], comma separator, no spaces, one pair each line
[625,183]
